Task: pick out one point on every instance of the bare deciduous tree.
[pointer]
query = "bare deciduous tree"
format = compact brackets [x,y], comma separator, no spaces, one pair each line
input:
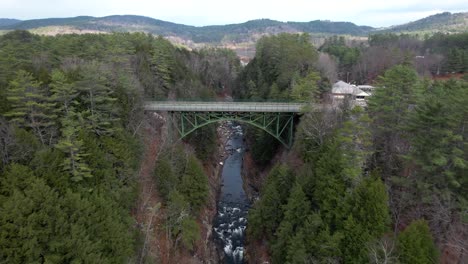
[383,251]
[327,66]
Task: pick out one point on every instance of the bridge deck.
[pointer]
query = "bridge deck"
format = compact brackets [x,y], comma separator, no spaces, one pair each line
[178,106]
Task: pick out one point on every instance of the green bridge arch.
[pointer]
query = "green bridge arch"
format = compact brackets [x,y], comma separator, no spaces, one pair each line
[278,125]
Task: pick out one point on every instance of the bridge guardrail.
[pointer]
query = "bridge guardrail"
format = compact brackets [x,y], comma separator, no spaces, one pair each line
[224,106]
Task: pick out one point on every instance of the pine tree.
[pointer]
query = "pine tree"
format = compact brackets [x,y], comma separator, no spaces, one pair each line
[306,88]
[166,180]
[437,134]
[194,184]
[354,243]
[415,244]
[275,93]
[265,216]
[28,223]
[97,99]
[189,232]
[178,209]
[30,107]
[455,63]
[295,213]
[368,220]
[279,246]
[355,142]
[63,93]
[15,177]
[369,205]
[73,148]
[322,245]
[330,185]
[296,253]
[388,108]
[102,236]
[163,62]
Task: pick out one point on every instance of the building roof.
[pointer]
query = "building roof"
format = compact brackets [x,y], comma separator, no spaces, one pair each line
[341,87]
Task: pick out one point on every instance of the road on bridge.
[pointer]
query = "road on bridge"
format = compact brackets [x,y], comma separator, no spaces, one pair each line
[186,106]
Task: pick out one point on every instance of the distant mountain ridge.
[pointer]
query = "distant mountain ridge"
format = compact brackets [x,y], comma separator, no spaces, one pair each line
[448,22]
[216,33]
[233,33]
[8,21]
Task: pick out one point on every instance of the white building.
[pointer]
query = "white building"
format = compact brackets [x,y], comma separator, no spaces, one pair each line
[356,94]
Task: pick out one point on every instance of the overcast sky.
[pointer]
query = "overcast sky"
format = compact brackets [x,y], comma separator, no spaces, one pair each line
[375,13]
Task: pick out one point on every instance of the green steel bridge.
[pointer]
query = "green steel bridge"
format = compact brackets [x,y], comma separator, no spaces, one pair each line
[276,118]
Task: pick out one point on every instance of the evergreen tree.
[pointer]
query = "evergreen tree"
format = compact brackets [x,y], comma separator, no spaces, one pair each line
[436,129]
[306,89]
[354,242]
[265,216]
[180,225]
[204,141]
[177,210]
[63,93]
[355,142]
[97,99]
[388,108]
[263,147]
[321,243]
[15,177]
[370,206]
[30,107]
[368,219]
[295,213]
[163,61]
[102,236]
[28,223]
[455,60]
[329,185]
[296,252]
[415,244]
[189,232]
[165,178]
[73,148]
[194,184]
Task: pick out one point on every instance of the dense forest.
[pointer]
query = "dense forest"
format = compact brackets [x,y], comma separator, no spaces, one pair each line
[385,184]
[381,185]
[71,143]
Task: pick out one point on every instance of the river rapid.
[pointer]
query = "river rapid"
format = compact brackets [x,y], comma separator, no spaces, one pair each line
[231,220]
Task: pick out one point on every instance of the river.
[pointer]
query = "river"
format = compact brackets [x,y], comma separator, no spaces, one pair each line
[231,220]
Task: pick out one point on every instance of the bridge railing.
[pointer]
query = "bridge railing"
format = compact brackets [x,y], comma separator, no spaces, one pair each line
[212,100]
[187,106]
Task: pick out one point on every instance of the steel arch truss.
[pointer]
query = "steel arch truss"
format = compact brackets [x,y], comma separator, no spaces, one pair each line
[278,125]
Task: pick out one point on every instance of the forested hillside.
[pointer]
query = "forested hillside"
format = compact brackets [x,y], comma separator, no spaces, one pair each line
[208,34]
[232,33]
[72,141]
[381,185]
[443,22]
[87,177]
[8,22]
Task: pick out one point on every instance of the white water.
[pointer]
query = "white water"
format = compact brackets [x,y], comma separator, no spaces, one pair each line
[231,221]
